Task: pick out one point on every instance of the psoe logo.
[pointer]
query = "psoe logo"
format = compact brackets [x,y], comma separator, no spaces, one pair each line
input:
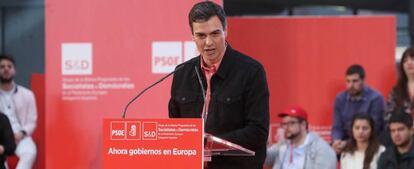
[118,130]
[76,58]
[166,55]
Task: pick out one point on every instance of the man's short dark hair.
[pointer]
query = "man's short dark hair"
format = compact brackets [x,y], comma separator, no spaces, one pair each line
[7,57]
[203,11]
[356,69]
[401,117]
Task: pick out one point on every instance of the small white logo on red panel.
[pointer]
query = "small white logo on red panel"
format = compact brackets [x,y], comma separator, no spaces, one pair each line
[118,130]
[167,55]
[133,130]
[76,58]
[190,50]
[149,130]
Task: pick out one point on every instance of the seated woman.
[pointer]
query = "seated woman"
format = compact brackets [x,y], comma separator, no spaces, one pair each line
[401,96]
[362,149]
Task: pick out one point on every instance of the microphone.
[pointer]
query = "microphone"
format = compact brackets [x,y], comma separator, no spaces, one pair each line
[149,87]
[204,113]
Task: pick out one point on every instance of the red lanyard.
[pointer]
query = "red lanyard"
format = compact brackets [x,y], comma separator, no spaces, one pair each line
[291,154]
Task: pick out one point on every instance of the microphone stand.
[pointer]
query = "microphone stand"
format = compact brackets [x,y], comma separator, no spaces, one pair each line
[149,87]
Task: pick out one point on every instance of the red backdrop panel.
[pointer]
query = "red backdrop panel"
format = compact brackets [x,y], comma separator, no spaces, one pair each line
[306,58]
[38,87]
[98,55]
[103,52]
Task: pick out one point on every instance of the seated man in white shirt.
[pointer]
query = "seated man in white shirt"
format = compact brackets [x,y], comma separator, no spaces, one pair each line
[18,104]
[301,149]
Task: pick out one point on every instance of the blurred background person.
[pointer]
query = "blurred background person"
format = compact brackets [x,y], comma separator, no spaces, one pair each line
[400,155]
[18,104]
[358,97]
[362,150]
[7,143]
[301,149]
[401,96]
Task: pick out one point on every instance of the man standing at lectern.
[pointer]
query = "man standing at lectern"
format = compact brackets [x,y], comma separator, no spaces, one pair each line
[237,96]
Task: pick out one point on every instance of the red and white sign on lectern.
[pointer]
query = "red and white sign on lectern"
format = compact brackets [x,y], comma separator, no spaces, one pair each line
[153,143]
[162,143]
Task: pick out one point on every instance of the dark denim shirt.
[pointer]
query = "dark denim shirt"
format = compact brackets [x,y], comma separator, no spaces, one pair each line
[238,109]
[371,102]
